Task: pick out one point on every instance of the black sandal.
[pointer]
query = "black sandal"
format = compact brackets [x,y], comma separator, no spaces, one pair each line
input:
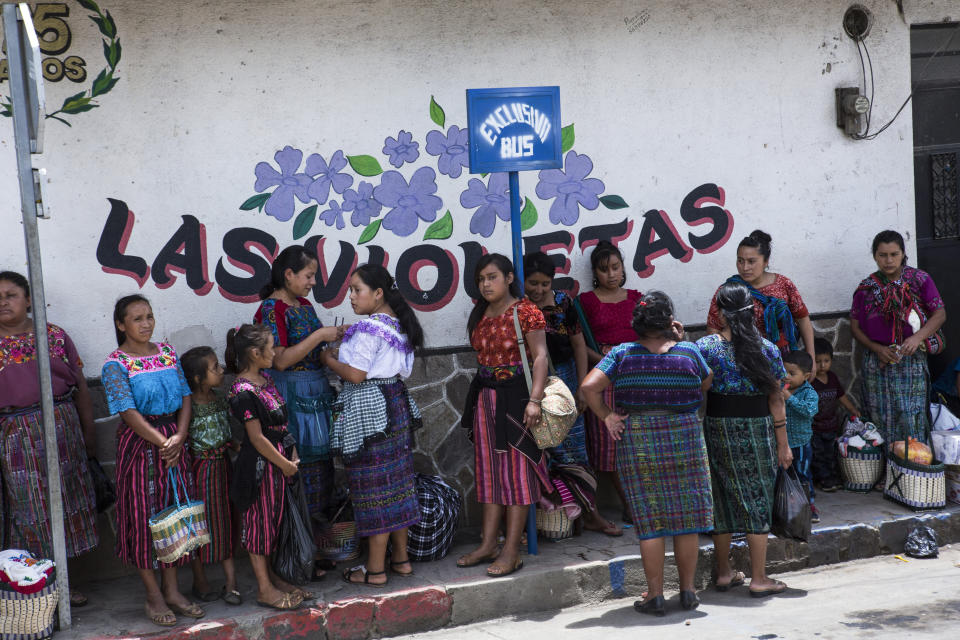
[348,577]
[402,574]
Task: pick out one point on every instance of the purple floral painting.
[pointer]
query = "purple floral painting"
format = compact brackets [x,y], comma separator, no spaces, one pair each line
[327,175]
[491,201]
[410,203]
[401,149]
[452,149]
[570,189]
[287,181]
[362,204]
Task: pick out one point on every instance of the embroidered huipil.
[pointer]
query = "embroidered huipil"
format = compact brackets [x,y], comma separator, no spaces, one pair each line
[290,326]
[19,386]
[645,381]
[210,425]
[153,385]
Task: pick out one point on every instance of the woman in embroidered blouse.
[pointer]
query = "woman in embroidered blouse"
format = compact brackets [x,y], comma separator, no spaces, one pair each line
[568,463]
[608,312]
[661,455]
[372,434]
[499,411]
[144,383]
[299,374]
[894,312]
[777,306]
[23,521]
[746,436]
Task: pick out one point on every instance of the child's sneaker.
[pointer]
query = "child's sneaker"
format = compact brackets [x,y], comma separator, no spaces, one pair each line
[814,514]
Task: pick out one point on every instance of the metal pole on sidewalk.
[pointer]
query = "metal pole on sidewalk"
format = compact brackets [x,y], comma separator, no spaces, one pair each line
[13,15]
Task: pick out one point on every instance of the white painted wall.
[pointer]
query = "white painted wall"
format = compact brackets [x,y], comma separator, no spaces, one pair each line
[735,93]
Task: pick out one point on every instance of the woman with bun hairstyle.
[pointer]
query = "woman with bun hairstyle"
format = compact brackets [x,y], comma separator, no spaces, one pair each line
[608,316]
[660,453]
[778,309]
[298,371]
[746,433]
[894,312]
[373,432]
[145,384]
[499,411]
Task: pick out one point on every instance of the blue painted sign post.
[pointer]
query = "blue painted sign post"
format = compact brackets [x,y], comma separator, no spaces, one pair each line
[515,129]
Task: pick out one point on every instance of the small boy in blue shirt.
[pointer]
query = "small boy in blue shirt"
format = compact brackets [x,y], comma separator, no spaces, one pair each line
[802,404]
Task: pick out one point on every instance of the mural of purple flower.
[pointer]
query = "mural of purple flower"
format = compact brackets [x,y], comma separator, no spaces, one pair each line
[327,175]
[571,188]
[289,183]
[452,149]
[333,215]
[361,203]
[410,202]
[401,149]
[491,202]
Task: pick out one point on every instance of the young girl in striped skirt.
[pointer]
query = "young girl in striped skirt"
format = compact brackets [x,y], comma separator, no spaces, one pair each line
[267,456]
[372,434]
[209,438]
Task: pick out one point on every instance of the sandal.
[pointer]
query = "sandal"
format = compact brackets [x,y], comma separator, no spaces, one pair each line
[463,564]
[402,574]
[191,611]
[738,579]
[494,573]
[286,602]
[304,595]
[763,593]
[349,573]
[77,599]
[208,596]
[231,597]
[161,619]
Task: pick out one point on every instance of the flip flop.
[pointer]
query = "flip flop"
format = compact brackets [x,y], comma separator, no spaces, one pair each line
[305,595]
[208,596]
[402,574]
[738,579]
[500,574]
[348,577]
[764,593]
[161,619]
[286,602]
[191,611]
[231,597]
[466,565]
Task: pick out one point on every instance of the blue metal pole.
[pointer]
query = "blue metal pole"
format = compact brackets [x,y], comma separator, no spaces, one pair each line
[517,238]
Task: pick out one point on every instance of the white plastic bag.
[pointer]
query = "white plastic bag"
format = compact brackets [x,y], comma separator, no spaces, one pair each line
[946,446]
[942,418]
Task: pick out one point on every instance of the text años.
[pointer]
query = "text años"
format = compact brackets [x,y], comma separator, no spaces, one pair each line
[253,250]
[55,38]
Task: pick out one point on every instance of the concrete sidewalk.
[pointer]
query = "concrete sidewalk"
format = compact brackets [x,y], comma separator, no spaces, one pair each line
[587,568]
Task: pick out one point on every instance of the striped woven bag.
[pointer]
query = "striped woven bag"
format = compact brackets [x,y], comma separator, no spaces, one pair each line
[180,528]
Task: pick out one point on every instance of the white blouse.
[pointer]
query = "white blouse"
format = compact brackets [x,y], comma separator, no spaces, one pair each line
[378,346]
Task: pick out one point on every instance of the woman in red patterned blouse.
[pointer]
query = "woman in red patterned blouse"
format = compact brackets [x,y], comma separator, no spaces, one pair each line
[500,410]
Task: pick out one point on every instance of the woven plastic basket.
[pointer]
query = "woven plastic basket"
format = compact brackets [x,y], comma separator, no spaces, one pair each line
[861,469]
[919,487]
[554,524]
[340,542]
[28,616]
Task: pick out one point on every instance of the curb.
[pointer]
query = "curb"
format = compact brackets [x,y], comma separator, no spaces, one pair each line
[429,608]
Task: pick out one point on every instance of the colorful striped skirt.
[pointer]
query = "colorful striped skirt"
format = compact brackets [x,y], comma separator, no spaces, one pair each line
[569,461]
[381,475]
[743,469]
[663,467]
[211,471]
[26,523]
[260,523]
[503,477]
[895,396]
[143,490]
[601,446]
[309,397]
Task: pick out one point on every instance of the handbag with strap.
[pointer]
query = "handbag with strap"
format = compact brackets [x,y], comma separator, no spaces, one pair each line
[180,528]
[558,410]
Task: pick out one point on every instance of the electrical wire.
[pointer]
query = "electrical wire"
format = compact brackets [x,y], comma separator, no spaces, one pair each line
[921,77]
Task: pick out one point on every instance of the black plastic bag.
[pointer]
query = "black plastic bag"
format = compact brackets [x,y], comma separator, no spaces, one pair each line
[921,543]
[791,507]
[106,493]
[293,559]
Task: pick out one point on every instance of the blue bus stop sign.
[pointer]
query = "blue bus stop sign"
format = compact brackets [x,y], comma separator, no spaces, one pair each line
[514,129]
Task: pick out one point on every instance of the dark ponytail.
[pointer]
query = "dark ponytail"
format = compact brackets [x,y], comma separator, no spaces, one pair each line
[120,312]
[653,315]
[377,277]
[759,240]
[503,264]
[736,305]
[195,367]
[295,257]
[240,341]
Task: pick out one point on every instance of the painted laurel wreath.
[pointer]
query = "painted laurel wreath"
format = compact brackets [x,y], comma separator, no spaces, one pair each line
[406,203]
[105,80]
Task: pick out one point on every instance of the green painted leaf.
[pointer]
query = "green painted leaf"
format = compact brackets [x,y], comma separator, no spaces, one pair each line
[365,165]
[566,138]
[255,202]
[77,105]
[89,5]
[73,98]
[613,202]
[436,113]
[110,26]
[528,217]
[369,232]
[441,229]
[112,51]
[304,222]
[102,84]
[484,175]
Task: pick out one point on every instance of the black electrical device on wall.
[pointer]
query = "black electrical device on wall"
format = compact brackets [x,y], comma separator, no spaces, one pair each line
[852,106]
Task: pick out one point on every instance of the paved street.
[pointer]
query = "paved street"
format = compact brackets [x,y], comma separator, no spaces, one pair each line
[878,598]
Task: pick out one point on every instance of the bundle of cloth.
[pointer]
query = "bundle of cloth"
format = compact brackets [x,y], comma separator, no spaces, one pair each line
[858,435]
[23,573]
